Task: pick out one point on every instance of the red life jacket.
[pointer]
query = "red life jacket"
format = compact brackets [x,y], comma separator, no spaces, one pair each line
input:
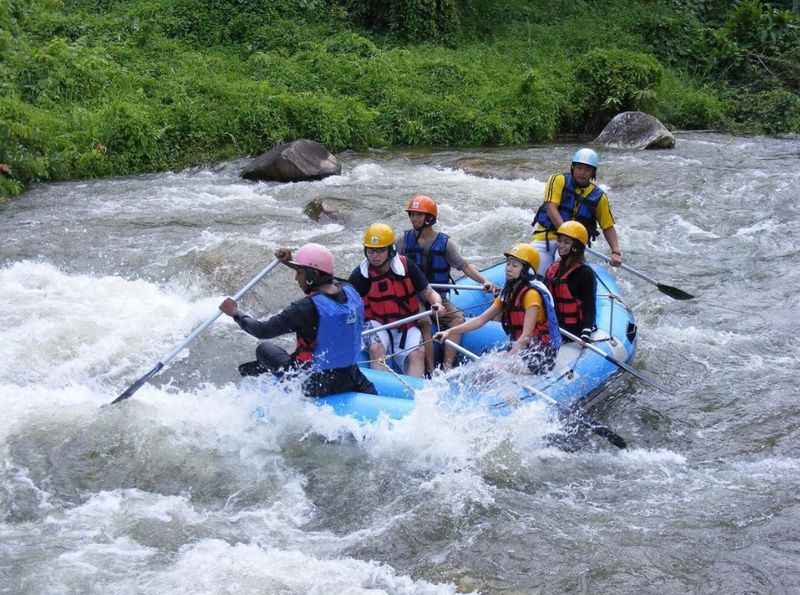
[513,318]
[304,352]
[568,307]
[391,296]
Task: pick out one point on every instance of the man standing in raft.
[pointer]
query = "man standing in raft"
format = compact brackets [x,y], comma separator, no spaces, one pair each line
[525,308]
[435,254]
[572,282]
[389,284]
[327,322]
[574,196]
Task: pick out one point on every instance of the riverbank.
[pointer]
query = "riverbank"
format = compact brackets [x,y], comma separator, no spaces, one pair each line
[94,88]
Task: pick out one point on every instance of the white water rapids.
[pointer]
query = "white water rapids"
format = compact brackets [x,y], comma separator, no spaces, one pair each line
[183,489]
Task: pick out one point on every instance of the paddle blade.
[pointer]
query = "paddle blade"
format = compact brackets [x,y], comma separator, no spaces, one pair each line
[610,435]
[674,292]
[138,384]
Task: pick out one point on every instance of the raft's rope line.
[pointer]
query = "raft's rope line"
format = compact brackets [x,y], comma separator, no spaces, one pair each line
[399,377]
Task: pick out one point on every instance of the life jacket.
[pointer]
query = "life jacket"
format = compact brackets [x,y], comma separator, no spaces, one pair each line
[434,264]
[513,317]
[338,340]
[391,295]
[573,206]
[568,307]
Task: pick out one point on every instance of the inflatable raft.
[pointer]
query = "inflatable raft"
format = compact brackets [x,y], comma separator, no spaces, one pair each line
[579,376]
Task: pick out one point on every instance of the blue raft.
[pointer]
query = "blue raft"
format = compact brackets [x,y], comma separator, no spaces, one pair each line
[578,377]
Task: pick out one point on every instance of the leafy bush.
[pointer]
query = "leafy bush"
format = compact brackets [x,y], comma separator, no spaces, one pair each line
[351,43]
[414,20]
[680,105]
[609,81]
[767,112]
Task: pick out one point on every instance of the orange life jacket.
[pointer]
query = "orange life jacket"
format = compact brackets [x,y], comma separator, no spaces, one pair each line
[568,307]
[391,296]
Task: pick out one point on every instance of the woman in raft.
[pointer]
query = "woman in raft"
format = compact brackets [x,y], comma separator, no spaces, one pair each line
[525,308]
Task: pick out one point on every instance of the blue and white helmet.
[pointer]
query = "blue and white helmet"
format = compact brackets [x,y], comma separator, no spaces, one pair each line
[587,157]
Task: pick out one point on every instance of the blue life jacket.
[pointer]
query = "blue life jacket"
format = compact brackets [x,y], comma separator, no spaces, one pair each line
[339,334]
[550,310]
[434,264]
[573,207]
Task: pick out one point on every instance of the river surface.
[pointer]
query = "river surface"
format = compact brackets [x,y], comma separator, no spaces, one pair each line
[182,489]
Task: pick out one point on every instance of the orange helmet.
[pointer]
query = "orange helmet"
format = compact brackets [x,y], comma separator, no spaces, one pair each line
[419,203]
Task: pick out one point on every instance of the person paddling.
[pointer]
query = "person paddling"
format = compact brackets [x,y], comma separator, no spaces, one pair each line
[525,309]
[389,284]
[435,253]
[572,282]
[327,323]
[574,196]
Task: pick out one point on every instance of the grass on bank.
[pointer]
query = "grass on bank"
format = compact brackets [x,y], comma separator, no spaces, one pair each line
[110,87]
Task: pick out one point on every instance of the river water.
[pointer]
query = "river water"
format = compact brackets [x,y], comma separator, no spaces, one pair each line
[183,489]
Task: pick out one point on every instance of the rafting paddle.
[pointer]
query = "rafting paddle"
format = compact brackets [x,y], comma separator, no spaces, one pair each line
[673,292]
[615,361]
[168,358]
[458,287]
[580,417]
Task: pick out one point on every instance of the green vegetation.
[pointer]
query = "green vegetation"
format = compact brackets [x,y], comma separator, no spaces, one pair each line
[105,87]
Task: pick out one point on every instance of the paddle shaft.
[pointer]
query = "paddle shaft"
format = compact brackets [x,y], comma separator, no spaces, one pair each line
[673,292]
[396,323]
[613,360]
[171,355]
[598,429]
[623,265]
[458,287]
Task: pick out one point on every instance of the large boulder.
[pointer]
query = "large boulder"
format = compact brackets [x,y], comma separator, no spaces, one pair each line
[295,161]
[636,130]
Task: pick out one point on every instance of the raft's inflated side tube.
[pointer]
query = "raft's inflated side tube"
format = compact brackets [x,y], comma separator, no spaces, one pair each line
[578,377]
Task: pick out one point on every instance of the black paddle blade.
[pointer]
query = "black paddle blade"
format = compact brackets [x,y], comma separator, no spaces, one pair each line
[610,435]
[579,420]
[674,292]
[138,384]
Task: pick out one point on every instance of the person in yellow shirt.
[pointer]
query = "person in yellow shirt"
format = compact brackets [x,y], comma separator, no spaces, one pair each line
[574,196]
[525,308]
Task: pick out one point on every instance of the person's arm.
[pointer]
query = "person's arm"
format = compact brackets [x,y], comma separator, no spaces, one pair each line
[297,315]
[455,260]
[611,237]
[473,273]
[433,298]
[555,216]
[606,221]
[422,287]
[472,323]
[583,286]
[552,198]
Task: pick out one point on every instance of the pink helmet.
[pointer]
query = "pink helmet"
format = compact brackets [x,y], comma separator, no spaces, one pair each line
[314,256]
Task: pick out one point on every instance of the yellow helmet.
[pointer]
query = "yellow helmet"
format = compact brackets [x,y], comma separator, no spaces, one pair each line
[378,235]
[525,253]
[574,230]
